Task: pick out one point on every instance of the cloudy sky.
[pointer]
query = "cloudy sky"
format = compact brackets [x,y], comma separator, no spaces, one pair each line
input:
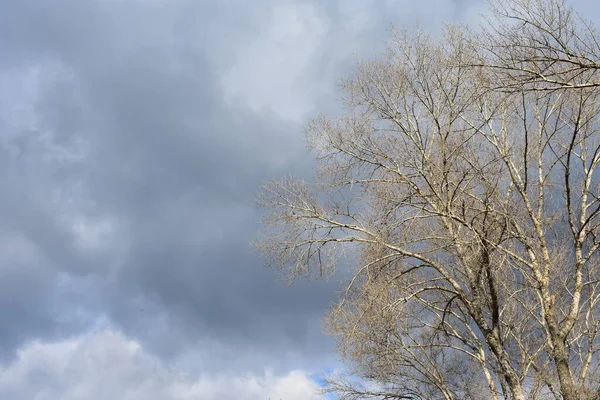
[133,137]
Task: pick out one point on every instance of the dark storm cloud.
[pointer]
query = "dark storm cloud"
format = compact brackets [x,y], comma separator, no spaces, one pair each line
[135,134]
[165,158]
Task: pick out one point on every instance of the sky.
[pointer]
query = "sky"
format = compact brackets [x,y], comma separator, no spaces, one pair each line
[134,136]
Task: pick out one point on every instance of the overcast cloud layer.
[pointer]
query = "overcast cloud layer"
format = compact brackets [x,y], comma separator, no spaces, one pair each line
[133,137]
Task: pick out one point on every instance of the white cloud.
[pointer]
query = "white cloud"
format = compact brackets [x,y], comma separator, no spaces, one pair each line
[270,70]
[107,365]
[94,234]
[296,56]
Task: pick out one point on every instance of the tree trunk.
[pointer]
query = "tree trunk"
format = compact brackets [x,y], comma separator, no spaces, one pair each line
[568,388]
[512,379]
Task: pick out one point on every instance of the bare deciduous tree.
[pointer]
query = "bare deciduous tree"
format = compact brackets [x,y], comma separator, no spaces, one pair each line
[462,182]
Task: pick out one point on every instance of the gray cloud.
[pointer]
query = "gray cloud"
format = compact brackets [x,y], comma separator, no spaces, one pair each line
[155,158]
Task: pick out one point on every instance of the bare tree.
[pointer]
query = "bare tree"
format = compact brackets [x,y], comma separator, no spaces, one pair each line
[461,182]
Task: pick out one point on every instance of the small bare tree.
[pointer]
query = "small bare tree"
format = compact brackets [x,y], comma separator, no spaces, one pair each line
[461,182]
